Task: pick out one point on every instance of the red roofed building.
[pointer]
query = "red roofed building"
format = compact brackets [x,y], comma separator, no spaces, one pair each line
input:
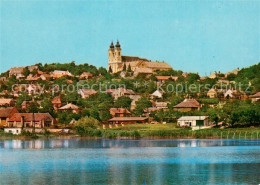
[255,97]
[6,102]
[37,120]
[119,112]
[162,79]
[85,93]
[187,105]
[56,102]
[5,113]
[86,75]
[70,108]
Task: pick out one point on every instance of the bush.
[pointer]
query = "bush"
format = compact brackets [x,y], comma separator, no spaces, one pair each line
[86,126]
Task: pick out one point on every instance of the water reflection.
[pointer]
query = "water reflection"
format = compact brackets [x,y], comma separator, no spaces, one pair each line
[107,143]
[79,161]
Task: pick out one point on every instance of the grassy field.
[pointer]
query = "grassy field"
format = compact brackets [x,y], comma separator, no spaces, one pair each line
[155,131]
[172,131]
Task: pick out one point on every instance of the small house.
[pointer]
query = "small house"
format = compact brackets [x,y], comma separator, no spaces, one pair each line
[70,108]
[119,112]
[157,94]
[162,79]
[85,93]
[212,93]
[255,97]
[86,75]
[116,93]
[6,102]
[56,102]
[192,121]
[187,105]
[59,73]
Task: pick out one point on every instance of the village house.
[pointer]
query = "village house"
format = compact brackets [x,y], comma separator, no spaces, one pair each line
[192,121]
[116,93]
[59,73]
[19,121]
[162,79]
[187,105]
[128,120]
[85,93]
[230,93]
[255,97]
[213,75]
[212,93]
[70,108]
[6,113]
[45,77]
[6,102]
[157,94]
[119,112]
[56,102]
[86,75]
[160,105]
[156,106]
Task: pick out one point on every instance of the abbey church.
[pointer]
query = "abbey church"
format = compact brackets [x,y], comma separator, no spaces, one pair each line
[116,62]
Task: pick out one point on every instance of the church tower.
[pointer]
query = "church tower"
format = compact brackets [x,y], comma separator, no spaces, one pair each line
[111,53]
[118,56]
[114,57]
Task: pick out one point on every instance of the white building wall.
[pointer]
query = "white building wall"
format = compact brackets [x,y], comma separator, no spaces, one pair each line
[14,131]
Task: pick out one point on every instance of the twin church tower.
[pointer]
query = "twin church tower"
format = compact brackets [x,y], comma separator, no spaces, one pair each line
[116,61]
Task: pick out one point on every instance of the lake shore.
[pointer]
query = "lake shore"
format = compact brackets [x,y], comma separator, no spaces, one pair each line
[139,132]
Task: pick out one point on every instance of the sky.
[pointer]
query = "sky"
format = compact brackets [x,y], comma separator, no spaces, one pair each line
[194,36]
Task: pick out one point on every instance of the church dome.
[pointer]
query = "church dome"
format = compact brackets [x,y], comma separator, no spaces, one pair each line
[111,45]
[117,44]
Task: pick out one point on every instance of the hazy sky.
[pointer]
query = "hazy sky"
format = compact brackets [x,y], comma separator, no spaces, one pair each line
[194,36]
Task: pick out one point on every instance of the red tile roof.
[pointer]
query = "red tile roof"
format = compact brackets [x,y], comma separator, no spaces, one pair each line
[188,103]
[30,117]
[7,112]
[4,101]
[56,100]
[257,95]
[119,110]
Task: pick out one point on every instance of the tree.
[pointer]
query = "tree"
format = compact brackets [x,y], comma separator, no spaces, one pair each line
[34,72]
[129,68]
[94,113]
[231,77]
[46,106]
[87,123]
[123,102]
[33,107]
[124,67]
[213,116]
[105,115]
[142,104]
[110,69]
[86,126]
[26,71]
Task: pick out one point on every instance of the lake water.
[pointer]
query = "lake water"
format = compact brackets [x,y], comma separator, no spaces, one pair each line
[104,161]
